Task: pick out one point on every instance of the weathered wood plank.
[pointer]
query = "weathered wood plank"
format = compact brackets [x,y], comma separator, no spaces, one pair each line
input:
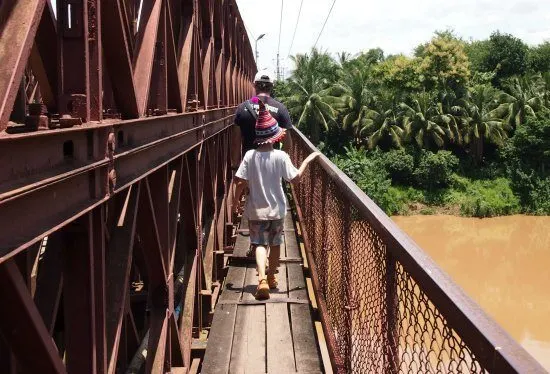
[280,353]
[249,342]
[323,347]
[306,352]
[218,353]
[289,222]
[241,245]
[292,249]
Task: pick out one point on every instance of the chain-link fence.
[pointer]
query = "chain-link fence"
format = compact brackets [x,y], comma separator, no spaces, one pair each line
[385,305]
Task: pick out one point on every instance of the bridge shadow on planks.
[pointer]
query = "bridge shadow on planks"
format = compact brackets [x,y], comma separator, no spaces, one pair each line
[273,337]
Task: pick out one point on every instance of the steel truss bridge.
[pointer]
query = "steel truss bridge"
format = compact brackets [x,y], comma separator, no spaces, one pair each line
[115,230]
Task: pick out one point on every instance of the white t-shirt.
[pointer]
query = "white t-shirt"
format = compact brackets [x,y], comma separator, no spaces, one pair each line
[263,171]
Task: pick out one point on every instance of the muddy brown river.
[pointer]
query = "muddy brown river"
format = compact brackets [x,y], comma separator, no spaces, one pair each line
[502,263]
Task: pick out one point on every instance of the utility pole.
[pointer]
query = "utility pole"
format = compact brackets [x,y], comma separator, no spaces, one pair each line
[278,68]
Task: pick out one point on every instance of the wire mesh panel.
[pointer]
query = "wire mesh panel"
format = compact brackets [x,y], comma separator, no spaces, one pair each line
[383,306]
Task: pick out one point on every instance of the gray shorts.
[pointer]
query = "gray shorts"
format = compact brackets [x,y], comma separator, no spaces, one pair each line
[266,232]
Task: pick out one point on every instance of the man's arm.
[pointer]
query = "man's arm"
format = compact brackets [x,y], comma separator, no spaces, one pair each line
[235,146]
[286,122]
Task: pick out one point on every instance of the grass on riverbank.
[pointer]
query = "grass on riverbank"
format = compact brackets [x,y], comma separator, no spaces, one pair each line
[465,197]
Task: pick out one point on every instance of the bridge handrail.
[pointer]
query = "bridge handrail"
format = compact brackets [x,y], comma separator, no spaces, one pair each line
[407,271]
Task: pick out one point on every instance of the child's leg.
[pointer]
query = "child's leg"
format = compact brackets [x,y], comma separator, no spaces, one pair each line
[275,241]
[259,231]
[274,257]
[261,257]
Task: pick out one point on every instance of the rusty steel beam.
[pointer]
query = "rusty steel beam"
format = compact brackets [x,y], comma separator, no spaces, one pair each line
[145,51]
[80,64]
[19,319]
[43,59]
[64,192]
[118,58]
[19,21]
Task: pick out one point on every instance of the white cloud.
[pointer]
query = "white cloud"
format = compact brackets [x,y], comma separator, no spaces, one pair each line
[396,26]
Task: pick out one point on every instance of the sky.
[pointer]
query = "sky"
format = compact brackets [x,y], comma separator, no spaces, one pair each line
[396,26]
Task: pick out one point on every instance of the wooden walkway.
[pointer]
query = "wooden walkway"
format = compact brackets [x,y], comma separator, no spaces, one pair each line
[273,337]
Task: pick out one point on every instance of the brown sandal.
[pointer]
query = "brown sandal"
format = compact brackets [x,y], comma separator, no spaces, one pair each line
[262,292]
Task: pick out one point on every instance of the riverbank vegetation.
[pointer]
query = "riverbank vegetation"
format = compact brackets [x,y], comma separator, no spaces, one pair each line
[459,127]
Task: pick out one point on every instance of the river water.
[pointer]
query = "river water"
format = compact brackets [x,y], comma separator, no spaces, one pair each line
[502,263]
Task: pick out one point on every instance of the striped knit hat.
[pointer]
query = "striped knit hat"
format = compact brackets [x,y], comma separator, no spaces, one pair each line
[267,128]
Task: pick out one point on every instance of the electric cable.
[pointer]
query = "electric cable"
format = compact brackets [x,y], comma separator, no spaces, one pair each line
[324,24]
[295,29]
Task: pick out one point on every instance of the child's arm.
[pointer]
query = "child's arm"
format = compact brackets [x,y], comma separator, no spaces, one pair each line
[304,165]
[240,185]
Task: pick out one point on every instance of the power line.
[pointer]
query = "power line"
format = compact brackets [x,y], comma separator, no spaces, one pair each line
[280,26]
[295,28]
[324,24]
[279,46]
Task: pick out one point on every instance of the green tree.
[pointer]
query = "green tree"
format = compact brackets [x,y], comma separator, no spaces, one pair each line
[310,86]
[355,98]
[383,128]
[425,122]
[523,98]
[400,74]
[539,58]
[435,170]
[507,56]
[480,119]
[444,62]
[477,52]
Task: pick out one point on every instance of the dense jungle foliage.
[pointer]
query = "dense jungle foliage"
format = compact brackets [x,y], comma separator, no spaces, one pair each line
[460,127]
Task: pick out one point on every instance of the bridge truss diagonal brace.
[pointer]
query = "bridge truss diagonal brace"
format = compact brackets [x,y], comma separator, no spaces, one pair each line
[21,324]
[19,20]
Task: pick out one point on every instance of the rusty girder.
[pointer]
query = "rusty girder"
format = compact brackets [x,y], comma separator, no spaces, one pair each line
[114,182]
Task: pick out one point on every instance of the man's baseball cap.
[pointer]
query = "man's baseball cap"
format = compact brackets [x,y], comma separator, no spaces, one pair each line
[263,76]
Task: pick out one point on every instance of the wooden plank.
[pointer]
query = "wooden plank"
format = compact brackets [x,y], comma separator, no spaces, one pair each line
[282,289]
[289,221]
[311,293]
[249,341]
[306,352]
[323,347]
[291,244]
[280,353]
[195,366]
[218,352]
[241,245]
[244,223]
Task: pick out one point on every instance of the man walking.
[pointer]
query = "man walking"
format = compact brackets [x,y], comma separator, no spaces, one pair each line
[243,133]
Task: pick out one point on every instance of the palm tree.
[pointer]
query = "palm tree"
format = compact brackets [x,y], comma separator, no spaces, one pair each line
[481,118]
[546,89]
[354,98]
[384,127]
[311,86]
[523,99]
[426,123]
